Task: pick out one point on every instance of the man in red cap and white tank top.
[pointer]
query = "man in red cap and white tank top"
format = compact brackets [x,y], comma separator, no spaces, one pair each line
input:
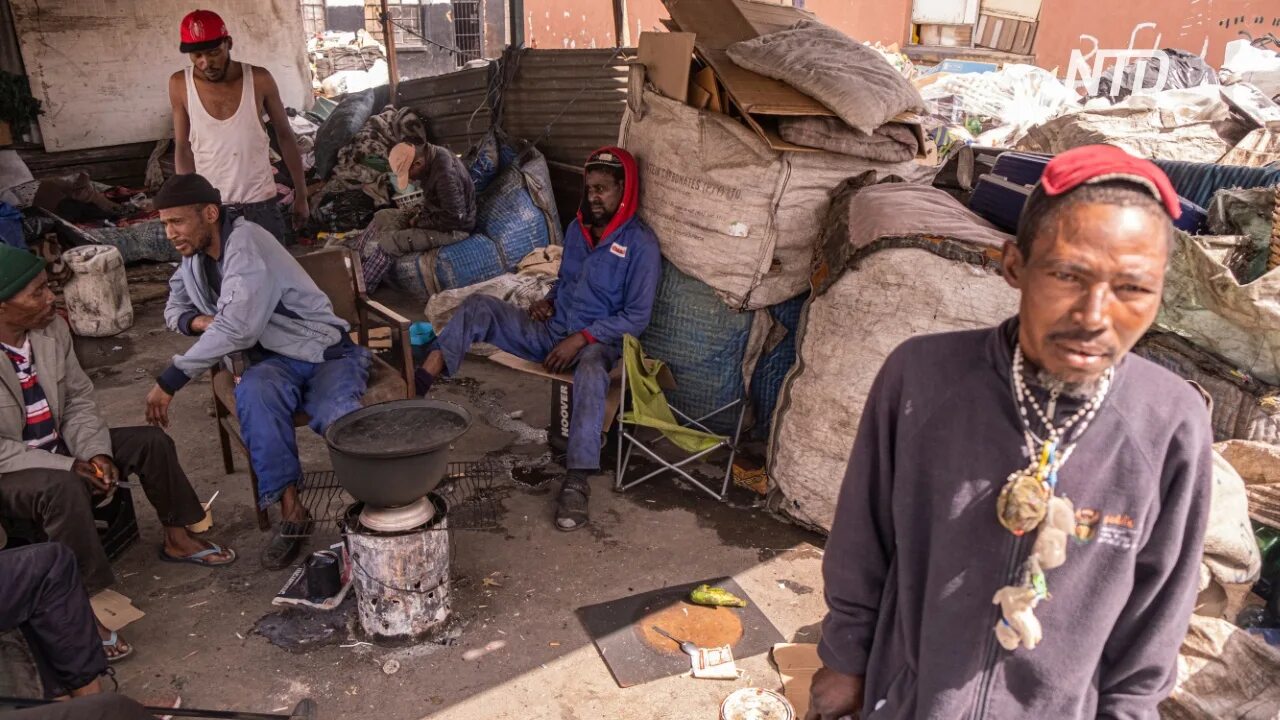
[217,124]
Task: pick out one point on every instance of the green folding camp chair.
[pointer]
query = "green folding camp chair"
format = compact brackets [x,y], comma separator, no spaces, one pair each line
[644,407]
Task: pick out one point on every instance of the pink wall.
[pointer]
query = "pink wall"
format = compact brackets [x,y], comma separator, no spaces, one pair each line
[552,24]
[1190,25]
[589,23]
[885,21]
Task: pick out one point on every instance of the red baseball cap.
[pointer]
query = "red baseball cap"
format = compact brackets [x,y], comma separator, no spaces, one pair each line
[202,30]
[1100,163]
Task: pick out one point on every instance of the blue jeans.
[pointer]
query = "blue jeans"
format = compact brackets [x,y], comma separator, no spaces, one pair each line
[273,389]
[268,214]
[487,319]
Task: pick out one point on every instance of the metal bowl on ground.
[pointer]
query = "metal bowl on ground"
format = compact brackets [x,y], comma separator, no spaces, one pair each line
[393,453]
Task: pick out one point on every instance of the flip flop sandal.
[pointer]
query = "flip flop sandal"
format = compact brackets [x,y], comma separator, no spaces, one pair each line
[113,642]
[571,505]
[198,558]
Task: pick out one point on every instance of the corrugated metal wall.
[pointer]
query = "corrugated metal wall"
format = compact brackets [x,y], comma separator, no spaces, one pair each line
[580,93]
[454,106]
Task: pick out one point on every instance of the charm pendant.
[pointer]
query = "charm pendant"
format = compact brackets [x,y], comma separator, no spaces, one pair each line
[1023,501]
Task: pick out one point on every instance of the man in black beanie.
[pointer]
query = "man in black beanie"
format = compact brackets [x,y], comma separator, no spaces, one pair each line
[238,290]
[56,454]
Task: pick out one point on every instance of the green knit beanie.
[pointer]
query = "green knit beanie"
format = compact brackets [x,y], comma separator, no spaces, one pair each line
[17,268]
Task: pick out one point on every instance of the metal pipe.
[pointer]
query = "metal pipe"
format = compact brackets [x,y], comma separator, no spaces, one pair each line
[516,10]
[389,38]
[621,29]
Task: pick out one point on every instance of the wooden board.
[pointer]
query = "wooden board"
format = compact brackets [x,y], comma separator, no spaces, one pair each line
[622,631]
[1004,33]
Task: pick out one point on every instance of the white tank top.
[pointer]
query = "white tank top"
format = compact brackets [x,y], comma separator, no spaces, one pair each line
[234,155]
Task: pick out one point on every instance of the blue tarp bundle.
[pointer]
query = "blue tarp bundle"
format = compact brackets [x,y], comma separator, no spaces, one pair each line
[775,363]
[703,341]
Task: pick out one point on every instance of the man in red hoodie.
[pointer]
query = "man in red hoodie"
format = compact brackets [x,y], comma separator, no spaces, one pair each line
[608,278]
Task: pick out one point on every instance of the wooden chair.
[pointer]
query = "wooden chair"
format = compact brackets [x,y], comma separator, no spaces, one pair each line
[337,272]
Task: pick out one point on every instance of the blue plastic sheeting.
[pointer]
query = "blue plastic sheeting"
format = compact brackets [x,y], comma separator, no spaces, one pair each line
[1001,204]
[1198,182]
[137,242]
[508,214]
[961,67]
[11,226]
[488,158]
[471,261]
[774,364]
[409,274]
[702,341]
[999,201]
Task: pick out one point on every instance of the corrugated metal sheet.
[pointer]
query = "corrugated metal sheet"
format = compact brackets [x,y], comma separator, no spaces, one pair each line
[580,94]
[455,106]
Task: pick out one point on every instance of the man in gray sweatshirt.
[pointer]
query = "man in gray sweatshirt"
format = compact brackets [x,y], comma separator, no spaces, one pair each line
[238,290]
[971,445]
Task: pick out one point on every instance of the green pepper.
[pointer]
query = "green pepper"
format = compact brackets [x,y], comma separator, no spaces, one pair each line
[717,597]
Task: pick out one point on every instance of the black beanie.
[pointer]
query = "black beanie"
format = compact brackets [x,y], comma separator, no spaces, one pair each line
[191,189]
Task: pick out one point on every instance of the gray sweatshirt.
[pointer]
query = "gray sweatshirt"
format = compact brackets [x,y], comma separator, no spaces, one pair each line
[916,553]
[259,297]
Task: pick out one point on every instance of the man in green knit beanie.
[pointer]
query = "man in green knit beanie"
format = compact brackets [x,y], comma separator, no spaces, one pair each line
[56,454]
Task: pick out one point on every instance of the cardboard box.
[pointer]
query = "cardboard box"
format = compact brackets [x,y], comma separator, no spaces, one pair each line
[114,610]
[6,134]
[661,54]
[797,664]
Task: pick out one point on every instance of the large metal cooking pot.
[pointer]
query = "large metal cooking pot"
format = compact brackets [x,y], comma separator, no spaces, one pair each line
[393,453]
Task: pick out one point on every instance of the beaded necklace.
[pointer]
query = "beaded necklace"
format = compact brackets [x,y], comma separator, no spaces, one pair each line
[1027,502]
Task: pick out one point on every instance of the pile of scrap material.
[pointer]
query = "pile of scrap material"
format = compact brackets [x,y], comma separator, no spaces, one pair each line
[347,62]
[1227,116]
[896,260]
[740,153]
[1225,670]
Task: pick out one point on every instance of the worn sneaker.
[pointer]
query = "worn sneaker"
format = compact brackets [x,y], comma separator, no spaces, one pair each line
[284,546]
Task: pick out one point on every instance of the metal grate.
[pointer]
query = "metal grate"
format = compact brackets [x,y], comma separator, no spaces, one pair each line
[313,17]
[406,17]
[470,492]
[468,30]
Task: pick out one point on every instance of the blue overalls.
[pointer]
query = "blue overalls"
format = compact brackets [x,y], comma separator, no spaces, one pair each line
[605,292]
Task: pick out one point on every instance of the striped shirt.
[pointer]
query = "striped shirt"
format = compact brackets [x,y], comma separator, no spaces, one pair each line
[40,432]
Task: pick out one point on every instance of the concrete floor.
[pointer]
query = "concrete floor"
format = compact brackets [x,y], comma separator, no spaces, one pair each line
[520,653]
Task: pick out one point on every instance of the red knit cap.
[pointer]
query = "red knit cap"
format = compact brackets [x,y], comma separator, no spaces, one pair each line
[1100,163]
[202,30]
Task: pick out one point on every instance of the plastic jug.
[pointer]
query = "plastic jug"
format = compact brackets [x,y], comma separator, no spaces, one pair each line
[97,295]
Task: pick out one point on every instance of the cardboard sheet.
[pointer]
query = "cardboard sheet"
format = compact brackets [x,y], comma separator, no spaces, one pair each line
[113,610]
[717,24]
[721,23]
[666,58]
[797,663]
